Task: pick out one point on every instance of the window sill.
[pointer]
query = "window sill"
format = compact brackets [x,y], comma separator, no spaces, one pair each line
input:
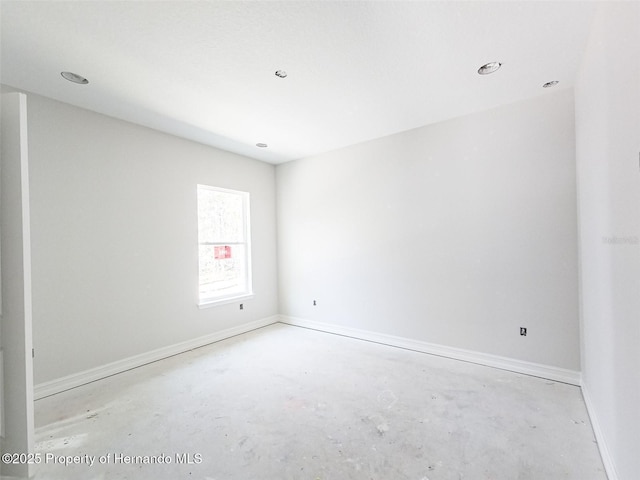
[224,301]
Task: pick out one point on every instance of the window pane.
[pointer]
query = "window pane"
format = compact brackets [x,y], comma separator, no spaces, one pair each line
[222,270]
[220,216]
[223,235]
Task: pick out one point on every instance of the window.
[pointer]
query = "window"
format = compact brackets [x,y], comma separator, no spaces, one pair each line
[224,245]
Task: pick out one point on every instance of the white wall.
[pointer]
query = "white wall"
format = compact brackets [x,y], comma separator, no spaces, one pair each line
[456,233]
[608,147]
[114,238]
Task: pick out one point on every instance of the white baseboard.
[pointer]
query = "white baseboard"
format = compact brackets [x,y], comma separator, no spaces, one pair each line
[607,460]
[519,366]
[75,380]
[65,383]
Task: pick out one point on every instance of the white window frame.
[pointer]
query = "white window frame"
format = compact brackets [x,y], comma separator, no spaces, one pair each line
[247,292]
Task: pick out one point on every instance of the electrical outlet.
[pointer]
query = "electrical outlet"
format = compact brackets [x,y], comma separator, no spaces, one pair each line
[242,306]
[523,331]
[314,303]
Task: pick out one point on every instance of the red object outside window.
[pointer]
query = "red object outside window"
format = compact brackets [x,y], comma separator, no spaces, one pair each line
[222,252]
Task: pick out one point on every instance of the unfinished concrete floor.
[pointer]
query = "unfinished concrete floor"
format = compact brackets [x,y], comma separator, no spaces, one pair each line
[285,402]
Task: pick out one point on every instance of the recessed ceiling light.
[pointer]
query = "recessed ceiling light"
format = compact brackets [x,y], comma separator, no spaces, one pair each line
[281,74]
[550,84]
[74,77]
[261,145]
[488,68]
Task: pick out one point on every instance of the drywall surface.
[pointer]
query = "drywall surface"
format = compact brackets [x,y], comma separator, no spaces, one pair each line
[457,233]
[114,238]
[608,145]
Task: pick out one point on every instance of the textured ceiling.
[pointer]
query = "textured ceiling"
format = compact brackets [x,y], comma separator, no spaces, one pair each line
[356,70]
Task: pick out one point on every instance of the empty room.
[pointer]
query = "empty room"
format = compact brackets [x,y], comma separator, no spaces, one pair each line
[323,240]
